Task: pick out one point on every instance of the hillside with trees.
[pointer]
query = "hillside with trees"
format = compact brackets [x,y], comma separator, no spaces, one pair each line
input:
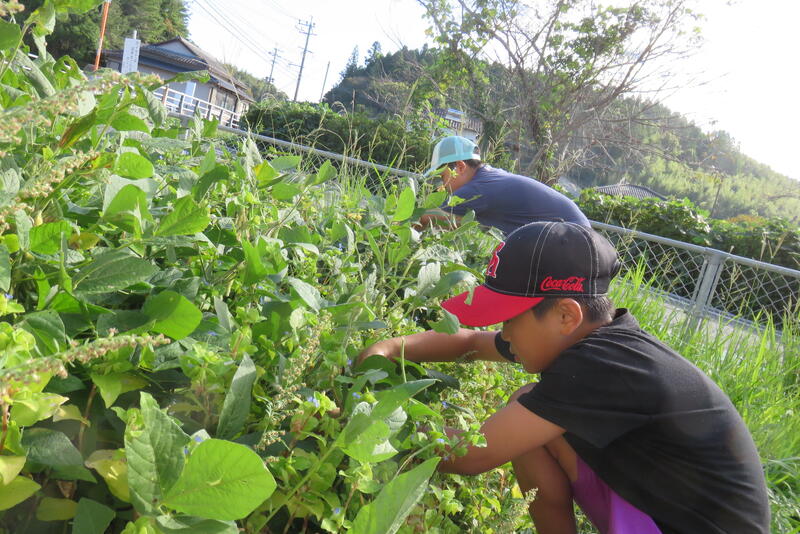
[631,140]
[76,34]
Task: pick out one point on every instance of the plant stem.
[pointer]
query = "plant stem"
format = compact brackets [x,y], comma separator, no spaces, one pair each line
[92,393]
[302,482]
[4,427]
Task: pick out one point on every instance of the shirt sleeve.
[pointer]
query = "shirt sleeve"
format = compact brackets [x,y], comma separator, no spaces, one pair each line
[504,348]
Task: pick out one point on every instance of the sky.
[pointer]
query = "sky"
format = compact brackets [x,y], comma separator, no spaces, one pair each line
[744,79]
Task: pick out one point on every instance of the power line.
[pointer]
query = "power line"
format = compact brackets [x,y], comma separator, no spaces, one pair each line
[222,19]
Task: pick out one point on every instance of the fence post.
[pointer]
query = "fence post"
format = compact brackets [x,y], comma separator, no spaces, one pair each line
[712,267]
[180,105]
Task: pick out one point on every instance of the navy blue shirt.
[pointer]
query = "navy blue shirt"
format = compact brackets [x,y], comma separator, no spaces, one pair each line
[508,201]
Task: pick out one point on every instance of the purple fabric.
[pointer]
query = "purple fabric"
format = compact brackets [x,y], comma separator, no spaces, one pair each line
[608,512]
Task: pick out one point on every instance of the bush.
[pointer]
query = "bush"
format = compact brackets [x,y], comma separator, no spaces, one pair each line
[388,141]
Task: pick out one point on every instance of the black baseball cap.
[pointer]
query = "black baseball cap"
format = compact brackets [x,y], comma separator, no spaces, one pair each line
[538,260]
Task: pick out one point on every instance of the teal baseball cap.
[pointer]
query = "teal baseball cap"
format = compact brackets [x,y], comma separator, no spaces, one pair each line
[453,148]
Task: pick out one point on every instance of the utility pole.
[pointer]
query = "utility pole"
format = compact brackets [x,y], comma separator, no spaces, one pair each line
[274,55]
[309,27]
[106,5]
[324,81]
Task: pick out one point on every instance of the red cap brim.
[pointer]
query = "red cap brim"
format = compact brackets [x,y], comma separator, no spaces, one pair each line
[488,307]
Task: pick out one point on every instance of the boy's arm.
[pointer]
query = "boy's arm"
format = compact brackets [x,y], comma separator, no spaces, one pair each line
[509,432]
[433,346]
[438,217]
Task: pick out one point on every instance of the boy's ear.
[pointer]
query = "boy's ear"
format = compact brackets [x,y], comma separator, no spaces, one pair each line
[570,315]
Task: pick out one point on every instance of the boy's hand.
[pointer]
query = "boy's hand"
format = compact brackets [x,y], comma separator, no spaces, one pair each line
[388,348]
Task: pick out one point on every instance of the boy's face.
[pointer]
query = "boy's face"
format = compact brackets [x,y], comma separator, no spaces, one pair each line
[535,342]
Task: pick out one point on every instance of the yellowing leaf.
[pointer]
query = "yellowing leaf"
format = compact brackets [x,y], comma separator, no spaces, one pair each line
[51,509]
[113,385]
[10,466]
[20,489]
[70,413]
[33,407]
[111,465]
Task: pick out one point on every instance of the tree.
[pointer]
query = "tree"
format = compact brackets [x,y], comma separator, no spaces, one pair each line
[77,34]
[567,60]
[260,89]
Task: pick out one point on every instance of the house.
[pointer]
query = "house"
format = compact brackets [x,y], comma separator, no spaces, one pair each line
[629,190]
[223,96]
[457,123]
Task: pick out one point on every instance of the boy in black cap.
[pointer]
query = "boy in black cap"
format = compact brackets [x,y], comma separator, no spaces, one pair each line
[638,436]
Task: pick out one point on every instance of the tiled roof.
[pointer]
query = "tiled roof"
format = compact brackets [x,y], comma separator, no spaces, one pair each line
[629,190]
[200,60]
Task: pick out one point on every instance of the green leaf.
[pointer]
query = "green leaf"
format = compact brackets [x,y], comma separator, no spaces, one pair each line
[386,514]
[155,108]
[254,269]
[186,218]
[32,407]
[285,163]
[10,466]
[133,165]
[110,272]
[307,292]
[405,205]
[372,443]
[92,517]
[127,122]
[50,448]
[46,238]
[75,130]
[325,173]
[154,449]
[435,199]
[390,400]
[447,282]
[285,191]
[174,315]
[266,174]
[222,480]
[10,35]
[448,324]
[194,525]
[18,490]
[48,329]
[236,407]
[51,509]
[111,465]
[5,269]
[113,385]
[128,209]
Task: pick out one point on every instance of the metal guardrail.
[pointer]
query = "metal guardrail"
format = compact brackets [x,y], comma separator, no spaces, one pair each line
[184,105]
[710,281]
[706,281]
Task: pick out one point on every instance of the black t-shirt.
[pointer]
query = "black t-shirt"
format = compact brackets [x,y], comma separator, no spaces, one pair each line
[656,429]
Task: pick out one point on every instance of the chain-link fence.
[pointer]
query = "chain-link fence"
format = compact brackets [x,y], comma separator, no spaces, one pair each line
[709,282]
[704,281]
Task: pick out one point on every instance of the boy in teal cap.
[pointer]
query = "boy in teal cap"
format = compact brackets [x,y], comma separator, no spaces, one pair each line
[499,198]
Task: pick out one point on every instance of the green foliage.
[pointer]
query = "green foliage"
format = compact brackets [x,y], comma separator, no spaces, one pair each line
[77,33]
[387,141]
[771,240]
[176,343]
